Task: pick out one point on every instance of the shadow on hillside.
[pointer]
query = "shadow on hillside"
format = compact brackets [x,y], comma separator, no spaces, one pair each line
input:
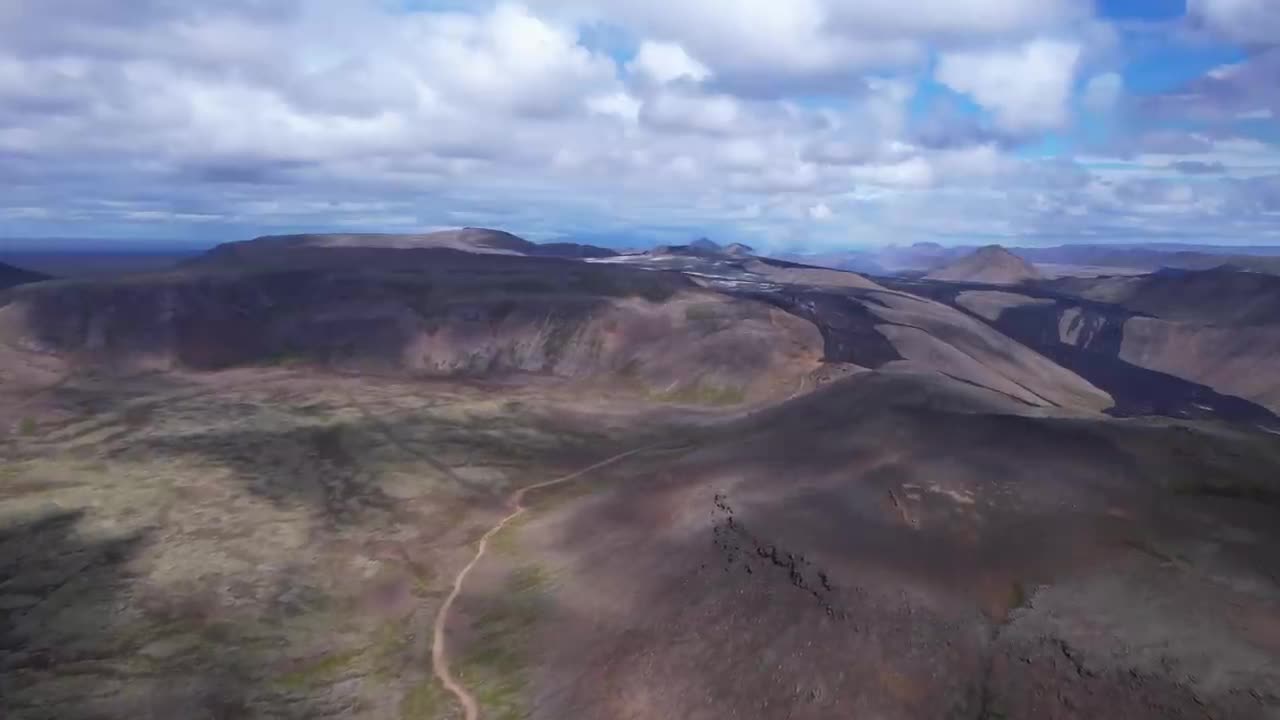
[80,639]
[357,309]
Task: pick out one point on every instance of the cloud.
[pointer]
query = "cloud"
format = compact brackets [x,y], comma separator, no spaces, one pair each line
[618,104]
[1103,91]
[692,112]
[1225,92]
[751,117]
[662,62]
[766,48]
[1198,167]
[1025,87]
[1245,21]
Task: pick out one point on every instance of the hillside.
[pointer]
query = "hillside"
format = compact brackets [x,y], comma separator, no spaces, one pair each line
[1224,295]
[266,477]
[992,265]
[439,313]
[1018,558]
[11,276]
[1173,342]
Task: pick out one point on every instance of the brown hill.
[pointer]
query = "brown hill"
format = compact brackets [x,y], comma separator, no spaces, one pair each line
[443,312]
[434,313]
[992,264]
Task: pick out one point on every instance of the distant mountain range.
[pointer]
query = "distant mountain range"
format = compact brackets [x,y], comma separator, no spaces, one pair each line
[927,257]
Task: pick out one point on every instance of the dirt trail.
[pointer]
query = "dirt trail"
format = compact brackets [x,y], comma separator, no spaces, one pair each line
[439,653]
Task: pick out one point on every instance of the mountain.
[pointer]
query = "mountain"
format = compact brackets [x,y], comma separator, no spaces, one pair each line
[1225,295]
[1155,257]
[691,484]
[1075,259]
[280,249]
[1184,343]
[703,248]
[703,245]
[1219,327]
[569,250]
[11,276]
[991,264]
[423,312]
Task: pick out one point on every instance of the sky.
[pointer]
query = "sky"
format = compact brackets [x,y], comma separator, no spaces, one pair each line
[804,125]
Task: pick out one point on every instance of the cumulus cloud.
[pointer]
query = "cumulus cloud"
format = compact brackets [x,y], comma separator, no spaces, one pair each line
[692,112]
[233,117]
[1026,87]
[771,48]
[662,62]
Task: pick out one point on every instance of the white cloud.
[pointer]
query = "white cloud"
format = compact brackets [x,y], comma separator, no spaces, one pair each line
[508,58]
[692,112]
[763,116]
[914,172]
[662,62]
[619,104]
[744,154]
[1103,91]
[768,46]
[1027,87]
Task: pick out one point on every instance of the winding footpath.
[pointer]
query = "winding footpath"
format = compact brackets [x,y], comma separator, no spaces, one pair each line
[440,653]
